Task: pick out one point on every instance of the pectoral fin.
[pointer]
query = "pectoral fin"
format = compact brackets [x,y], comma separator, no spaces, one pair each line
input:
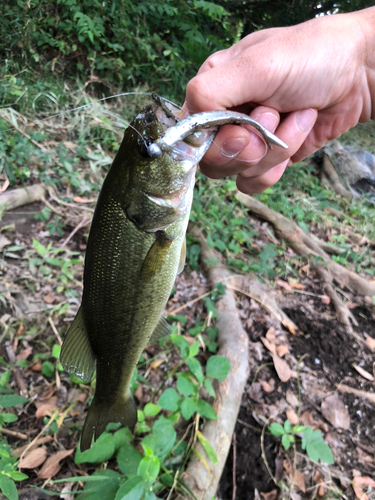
[77,356]
[181,264]
[156,256]
[162,330]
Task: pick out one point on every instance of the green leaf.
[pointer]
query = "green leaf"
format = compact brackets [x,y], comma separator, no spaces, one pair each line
[194,349]
[184,385]
[17,476]
[128,459]
[218,367]
[297,429]
[276,429]
[188,408]
[56,351]
[151,410]
[209,387]
[12,400]
[182,343]
[165,437]
[169,400]
[149,468]
[4,378]
[122,437]
[48,369]
[207,447]
[8,418]
[196,369]
[287,426]
[101,490]
[8,487]
[132,489]
[285,441]
[206,410]
[102,450]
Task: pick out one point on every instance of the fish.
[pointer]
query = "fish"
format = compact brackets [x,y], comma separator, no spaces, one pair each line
[135,249]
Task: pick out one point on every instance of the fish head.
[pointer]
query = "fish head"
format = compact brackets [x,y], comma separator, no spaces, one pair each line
[159,189]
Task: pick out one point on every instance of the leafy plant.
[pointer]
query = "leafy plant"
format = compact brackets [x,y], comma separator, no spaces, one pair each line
[311,440]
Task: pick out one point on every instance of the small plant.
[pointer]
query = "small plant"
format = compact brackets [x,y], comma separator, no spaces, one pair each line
[311,440]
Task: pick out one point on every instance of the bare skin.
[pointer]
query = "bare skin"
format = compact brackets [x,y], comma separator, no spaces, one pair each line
[320,75]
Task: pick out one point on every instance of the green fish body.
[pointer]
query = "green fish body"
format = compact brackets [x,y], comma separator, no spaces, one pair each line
[135,248]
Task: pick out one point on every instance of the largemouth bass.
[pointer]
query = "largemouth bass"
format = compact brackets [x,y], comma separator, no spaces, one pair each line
[135,249]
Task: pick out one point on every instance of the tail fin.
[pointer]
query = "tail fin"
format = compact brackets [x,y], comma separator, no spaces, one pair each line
[99,416]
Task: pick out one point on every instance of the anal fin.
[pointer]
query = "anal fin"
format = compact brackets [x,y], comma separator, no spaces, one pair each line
[77,356]
[162,330]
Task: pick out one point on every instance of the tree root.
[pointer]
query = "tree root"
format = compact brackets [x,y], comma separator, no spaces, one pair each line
[331,177]
[304,244]
[234,345]
[23,196]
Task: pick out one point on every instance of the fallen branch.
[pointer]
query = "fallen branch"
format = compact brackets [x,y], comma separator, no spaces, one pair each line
[233,342]
[304,244]
[23,196]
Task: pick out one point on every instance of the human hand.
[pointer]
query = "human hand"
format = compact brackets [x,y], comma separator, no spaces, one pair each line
[319,75]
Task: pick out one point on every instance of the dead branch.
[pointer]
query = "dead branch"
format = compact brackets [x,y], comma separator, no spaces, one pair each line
[233,342]
[23,196]
[304,244]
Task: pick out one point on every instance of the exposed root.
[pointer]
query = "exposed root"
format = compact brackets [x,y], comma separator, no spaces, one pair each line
[332,178]
[23,196]
[233,344]
[262,294]
[304,244]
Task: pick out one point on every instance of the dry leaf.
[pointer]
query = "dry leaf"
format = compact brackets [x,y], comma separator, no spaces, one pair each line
[299,481]
[78,199]
[285,285]
[37,366]
[49,298]
[282,368]
[364,373]
[360,483]
[295,284]
[155,364]
[291,398]
[282,350]
[371,342]
[307,419]
[46,408]
[325,299]
[271,495]
[268,386]
[69,145]
[34,458]
[24,354]
[17,452]
[52,465]
[268,345]
[292,416]
[333,409]
[4,241]
[270,335]
[255,392]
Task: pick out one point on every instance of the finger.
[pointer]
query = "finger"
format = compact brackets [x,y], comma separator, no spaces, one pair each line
[294,131]
[251,185]
[235,147]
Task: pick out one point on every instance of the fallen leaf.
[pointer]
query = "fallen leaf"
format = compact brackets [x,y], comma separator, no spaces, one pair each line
[49,298]
[318,480]
[25,353]
[364,373]
[46,408]
[270,335]
[64,492]
[37,366]
[307,419]
[360,483]
[282,368]
[5,186]
[294,284]
[299,481]
[371,342]
[78,199]
[282,350]
[69,145]
[17,452]
[34,458]
[291,398]
[268,386]
[333,409]
[52,465]
[255,392]
[271,495]
[155,364]
[292,416]
[268,345]
[325,299]
[4,241]
[285,285]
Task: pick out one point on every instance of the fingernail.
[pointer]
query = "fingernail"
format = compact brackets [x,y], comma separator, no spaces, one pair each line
[232,147]
[306,119]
